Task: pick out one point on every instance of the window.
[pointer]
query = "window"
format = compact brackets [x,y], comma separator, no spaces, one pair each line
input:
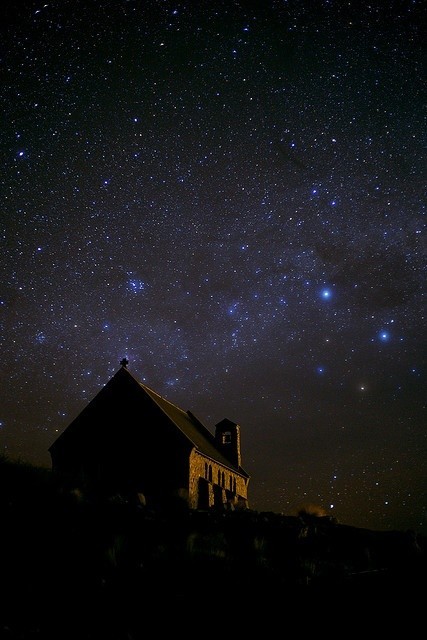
[226,437]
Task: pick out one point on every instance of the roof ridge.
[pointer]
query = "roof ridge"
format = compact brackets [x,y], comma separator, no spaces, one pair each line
[159,395]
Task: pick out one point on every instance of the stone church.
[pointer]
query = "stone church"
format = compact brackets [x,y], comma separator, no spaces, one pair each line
[132,443]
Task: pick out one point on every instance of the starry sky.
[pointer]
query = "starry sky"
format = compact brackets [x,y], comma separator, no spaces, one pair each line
[232,195]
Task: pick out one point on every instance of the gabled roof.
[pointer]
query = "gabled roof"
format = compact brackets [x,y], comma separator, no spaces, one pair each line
[190,426]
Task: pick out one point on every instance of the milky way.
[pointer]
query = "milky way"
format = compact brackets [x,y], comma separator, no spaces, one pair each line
[231,195]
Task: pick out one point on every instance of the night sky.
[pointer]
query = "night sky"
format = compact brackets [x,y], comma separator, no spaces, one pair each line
[232,195]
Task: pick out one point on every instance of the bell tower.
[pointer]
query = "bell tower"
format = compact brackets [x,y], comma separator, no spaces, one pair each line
[227,437]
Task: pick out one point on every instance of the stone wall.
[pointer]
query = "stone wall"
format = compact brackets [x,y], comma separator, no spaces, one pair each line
[223,485]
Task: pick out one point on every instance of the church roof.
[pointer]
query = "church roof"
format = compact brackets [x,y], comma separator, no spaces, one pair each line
[190,426]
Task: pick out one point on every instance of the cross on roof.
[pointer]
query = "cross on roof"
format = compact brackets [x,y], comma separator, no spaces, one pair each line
[124,362]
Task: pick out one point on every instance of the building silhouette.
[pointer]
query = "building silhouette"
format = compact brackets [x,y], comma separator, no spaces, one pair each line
[132,443]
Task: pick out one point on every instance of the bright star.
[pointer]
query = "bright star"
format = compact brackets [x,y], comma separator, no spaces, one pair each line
[326,294]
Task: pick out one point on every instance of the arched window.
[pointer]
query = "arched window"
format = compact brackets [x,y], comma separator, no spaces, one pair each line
[223,480]
[210,473]
[219,477]
[206,470]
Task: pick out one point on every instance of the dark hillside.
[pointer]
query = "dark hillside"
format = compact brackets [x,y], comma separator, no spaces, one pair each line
[72,569]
